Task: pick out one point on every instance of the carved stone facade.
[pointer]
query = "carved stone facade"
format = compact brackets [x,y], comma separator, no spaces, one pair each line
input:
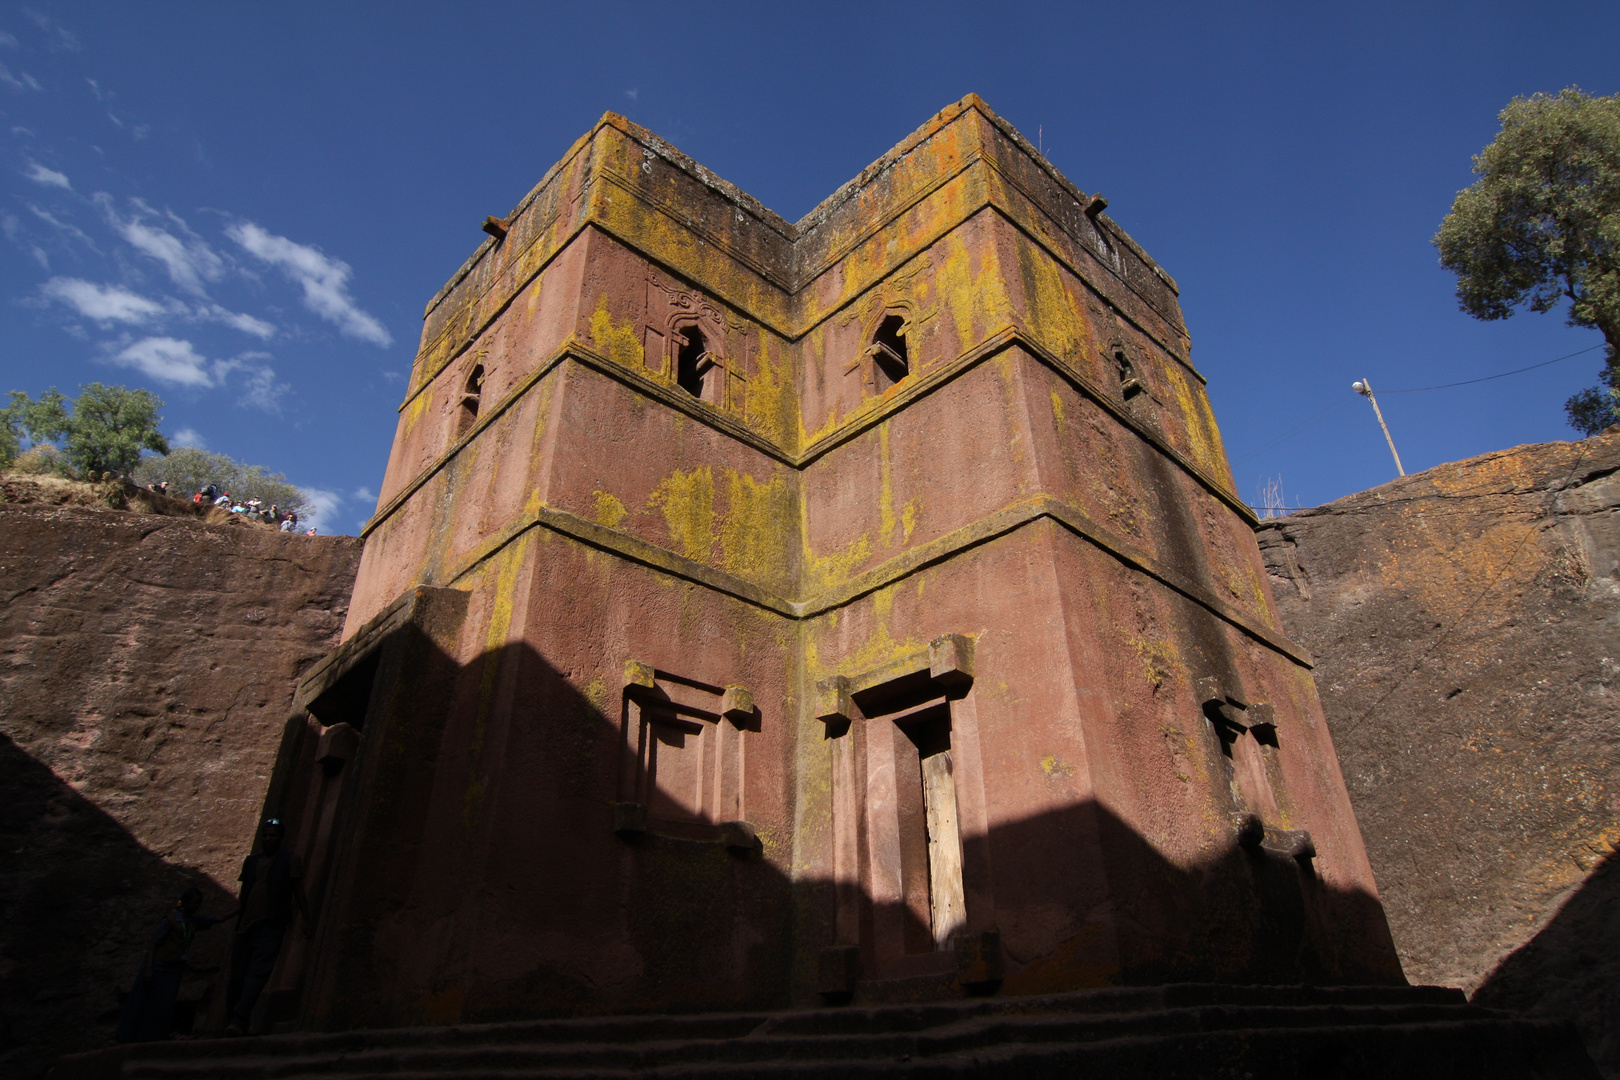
[761,613]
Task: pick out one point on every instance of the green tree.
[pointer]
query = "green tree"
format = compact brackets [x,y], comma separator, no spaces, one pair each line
[105,430]
[187,469]
[10,436]
[109,428]
[1541,226]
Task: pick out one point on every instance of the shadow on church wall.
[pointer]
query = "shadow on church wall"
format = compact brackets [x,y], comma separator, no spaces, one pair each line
[462,872]
[471,863]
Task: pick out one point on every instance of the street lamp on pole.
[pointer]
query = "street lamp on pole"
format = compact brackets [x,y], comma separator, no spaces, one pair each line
[1364,388]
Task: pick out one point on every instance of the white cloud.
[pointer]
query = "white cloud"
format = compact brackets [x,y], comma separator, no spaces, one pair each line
[188,437]
[188,258]
[20,81]
[167,360]
[323,505]
[325,281]
[57,36]
[236,320]
[262,391]
[365,495]
[57,223]
[104,303]
[633,93]
[8,40]
[39,174]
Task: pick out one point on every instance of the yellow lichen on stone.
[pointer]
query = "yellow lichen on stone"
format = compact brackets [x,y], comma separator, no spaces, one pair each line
[756,531]
[687,501]
[773,406]
[507,563]
[609,510]
[618,342]
[1057,406]
[1054,313]
[596,692]
[825,571]
[908,517]
[1158,658]
[885,486]
[414,410]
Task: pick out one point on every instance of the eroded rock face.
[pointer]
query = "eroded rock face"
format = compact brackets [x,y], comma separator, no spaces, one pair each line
[146,672]
[1466,623]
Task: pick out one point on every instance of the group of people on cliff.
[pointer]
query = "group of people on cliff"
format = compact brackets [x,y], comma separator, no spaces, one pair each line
[271,897]
[285,520]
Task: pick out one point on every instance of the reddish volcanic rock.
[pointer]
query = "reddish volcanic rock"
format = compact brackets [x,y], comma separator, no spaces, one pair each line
[148,667]
[1466,624]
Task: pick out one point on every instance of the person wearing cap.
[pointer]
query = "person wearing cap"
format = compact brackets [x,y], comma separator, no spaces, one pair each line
[272,896]
[148,1014]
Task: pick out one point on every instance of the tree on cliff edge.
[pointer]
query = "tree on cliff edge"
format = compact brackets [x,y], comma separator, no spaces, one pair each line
[1541,225]
[103,431]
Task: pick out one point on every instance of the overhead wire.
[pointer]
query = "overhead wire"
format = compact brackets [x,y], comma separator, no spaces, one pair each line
[1498,375]
[1308,421]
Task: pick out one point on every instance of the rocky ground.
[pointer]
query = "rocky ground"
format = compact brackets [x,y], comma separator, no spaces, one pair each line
[1466,622]
[147,662]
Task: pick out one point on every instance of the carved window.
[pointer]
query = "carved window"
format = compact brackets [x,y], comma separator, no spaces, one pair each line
[1248,740]
[692,360]
[684,753]
[1130,386]
[467,409]
[890,359]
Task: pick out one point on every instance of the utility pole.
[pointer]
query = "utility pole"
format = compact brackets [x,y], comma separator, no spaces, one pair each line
[1364,388]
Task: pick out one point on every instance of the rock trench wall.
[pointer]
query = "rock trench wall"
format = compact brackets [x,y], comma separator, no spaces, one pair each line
[1466,624]
[147,665]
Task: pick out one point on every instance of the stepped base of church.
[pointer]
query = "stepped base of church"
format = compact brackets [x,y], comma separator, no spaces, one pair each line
[1183,1031]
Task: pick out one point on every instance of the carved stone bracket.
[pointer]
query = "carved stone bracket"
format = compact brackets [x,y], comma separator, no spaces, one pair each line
[947,663]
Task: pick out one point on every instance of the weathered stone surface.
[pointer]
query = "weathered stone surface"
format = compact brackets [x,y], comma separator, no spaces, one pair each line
[147,665]
[930,474]
[1466,624]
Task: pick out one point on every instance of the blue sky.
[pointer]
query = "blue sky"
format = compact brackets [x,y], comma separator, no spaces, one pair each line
[246,207]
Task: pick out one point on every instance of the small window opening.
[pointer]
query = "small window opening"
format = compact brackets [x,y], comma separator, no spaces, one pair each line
[1248,775]
[890,362]
[692,362]
[1129,385]
[468,412]
[1225,730]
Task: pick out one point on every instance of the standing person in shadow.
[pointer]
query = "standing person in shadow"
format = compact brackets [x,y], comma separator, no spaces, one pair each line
[272,887]
[148,1014]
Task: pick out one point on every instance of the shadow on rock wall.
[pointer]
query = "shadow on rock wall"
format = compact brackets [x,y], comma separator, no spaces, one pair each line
[82,898]
[1571,968]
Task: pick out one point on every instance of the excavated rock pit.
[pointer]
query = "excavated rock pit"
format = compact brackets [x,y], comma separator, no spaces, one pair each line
[147,664]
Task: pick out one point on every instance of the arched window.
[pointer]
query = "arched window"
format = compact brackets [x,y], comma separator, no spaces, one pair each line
[467,413]
[890,362]
[1129,385]
[691,361]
